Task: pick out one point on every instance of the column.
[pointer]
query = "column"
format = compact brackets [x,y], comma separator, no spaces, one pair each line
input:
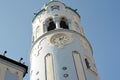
[45,25]
[57,22]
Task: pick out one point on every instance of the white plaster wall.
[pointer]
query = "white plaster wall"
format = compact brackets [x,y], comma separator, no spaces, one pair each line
[61,57]
[14,69]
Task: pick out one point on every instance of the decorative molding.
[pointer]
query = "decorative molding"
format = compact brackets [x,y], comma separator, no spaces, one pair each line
[55,7]
[60,39]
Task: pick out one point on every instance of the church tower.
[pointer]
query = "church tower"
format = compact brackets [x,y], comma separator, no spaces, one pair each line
[60,50]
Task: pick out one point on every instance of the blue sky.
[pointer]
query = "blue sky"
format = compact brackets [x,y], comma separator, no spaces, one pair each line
[100,20]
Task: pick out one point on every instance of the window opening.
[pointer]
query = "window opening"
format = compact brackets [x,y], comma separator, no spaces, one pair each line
[49,67]
[87,63]
[79,66]
[63,24]
[51,26]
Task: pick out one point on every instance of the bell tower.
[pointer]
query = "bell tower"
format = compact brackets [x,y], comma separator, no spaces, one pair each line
[60,50]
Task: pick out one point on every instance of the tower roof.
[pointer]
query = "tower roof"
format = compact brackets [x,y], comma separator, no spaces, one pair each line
[53,1]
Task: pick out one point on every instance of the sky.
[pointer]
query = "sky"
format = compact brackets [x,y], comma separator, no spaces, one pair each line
[100,20]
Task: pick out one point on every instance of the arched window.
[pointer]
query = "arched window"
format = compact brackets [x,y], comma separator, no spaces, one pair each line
[87,63]
[78,65]
[51,25]
[63,24]
[49,67]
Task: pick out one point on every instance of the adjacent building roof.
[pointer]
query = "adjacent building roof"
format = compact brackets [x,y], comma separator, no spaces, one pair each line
[15,62]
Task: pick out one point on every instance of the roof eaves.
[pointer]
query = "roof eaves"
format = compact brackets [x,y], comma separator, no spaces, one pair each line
[15,62]
[38,14]
[73,11]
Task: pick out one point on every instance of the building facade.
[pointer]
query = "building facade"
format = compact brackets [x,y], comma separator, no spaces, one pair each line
[11,70]
[60,50]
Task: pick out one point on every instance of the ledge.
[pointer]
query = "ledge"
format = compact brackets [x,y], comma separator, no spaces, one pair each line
[60,30]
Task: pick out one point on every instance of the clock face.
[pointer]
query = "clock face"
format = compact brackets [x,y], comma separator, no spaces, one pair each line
[60,39]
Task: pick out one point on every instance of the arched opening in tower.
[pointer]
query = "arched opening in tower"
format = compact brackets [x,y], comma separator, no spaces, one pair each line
[63,24]
[87,63]
[51,26]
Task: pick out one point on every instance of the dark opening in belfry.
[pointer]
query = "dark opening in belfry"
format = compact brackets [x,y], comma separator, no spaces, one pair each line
[63,24]
[51,25]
